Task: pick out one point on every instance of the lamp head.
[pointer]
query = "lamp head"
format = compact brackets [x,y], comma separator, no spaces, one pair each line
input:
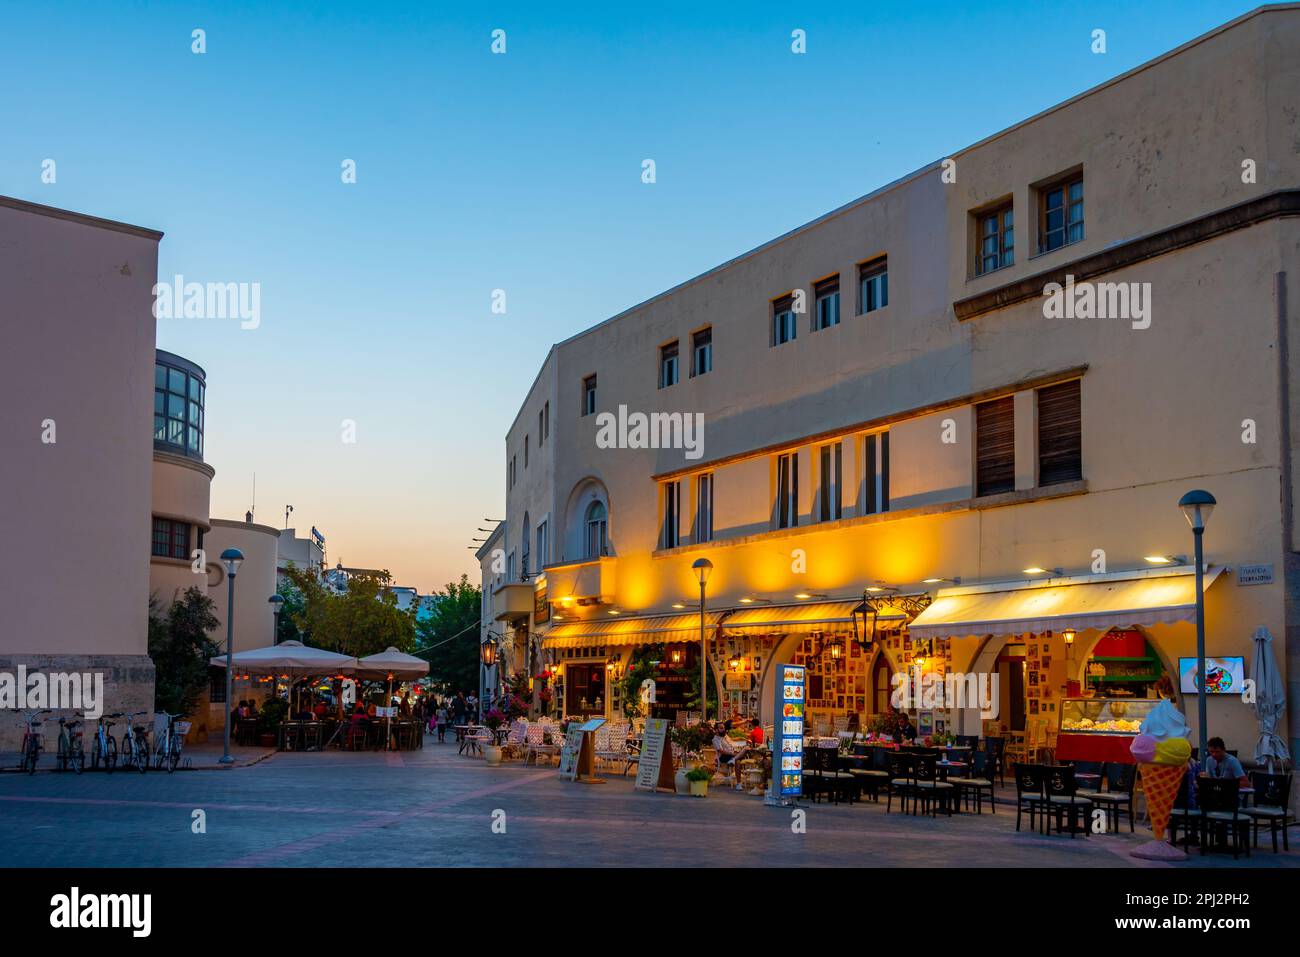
[232,558]
[702,568]
[1197,506]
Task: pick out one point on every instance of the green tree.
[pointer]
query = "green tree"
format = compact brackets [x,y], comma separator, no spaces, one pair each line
[449,636]
[180,648]
[362,621]
[291,611]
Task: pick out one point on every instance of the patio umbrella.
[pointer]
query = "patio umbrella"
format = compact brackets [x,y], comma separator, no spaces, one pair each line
[391,663]
[1270,701]
[291,658]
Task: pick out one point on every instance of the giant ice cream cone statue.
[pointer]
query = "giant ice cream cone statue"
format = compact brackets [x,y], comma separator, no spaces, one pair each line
[1161,751]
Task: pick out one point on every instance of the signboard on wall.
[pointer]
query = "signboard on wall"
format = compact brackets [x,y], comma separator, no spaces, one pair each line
[541,607]
[787,744]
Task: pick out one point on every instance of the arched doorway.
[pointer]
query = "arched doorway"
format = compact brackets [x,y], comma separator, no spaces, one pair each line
[882,683]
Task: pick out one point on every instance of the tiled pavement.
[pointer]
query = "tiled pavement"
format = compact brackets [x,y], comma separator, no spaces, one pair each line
[433,807]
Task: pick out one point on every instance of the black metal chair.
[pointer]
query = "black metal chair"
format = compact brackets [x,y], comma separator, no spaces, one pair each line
[1062,793]
[1272,804]
[901,781]
[1181,815]
[1117,799]
[1030,797]
[997,746]
[1084,771]
[931,791]
[871,779]
[1218,800]
[971,741]
[979,780]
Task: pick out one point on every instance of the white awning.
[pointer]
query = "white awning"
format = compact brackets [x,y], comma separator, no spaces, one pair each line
[627,630]
[805,616]
[1031,607]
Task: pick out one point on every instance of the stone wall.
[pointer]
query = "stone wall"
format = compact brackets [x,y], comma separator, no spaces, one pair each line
[128,687]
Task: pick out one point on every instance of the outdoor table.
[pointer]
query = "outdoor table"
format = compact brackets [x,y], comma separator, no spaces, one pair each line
[288,736]
[465,739]
[945,766]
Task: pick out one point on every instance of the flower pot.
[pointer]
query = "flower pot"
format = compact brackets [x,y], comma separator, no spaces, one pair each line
[266,740]
[699,789]
[492,754]
[682,785]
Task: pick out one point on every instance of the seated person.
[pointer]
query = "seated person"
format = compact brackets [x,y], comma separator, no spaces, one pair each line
[1220,764]
[755,732]
[726,748]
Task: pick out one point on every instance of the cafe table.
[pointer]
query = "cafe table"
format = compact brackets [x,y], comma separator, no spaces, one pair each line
[465,738]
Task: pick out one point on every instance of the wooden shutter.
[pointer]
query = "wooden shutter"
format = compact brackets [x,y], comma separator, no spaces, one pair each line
[1060,434]
[995,446]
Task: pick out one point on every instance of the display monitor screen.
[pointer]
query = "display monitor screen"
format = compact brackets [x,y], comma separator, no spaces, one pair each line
[1222,675]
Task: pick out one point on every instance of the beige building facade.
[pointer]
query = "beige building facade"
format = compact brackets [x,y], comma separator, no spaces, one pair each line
[74,449]
[898,413]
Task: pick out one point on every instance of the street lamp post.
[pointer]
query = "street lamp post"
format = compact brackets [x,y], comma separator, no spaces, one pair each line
[702,568]
[277,605]
[232,558]
[1197,506]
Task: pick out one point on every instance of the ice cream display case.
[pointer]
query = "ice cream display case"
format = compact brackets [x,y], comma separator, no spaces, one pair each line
[1100,729]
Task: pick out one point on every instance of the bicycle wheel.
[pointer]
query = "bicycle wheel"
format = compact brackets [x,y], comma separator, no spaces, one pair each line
[32,756]
[78,758]
[110,759]
[96,755]
[142,756]
[61,757]
[173,759]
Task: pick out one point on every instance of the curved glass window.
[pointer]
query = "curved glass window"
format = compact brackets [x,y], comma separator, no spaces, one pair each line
[597,530]
[178,395]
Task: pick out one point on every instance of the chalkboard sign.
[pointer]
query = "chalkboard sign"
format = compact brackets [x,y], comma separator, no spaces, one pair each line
[653,771]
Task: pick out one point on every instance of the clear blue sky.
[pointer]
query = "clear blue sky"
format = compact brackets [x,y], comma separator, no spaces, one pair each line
[477,172]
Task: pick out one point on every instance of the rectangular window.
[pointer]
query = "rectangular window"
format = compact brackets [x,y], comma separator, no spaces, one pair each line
[672,514]
[668,364]
[541,428]
[787,490]
[997,240]
[873,285]
[783,329]
[589,395]
[702,351]
[217,685]
[171,539]
[704,508]
[875,473]
[546,420]
[995,446]
[826,299]
[543,546]
[831,467]
[525,450]
[1060,214]
[1060,433]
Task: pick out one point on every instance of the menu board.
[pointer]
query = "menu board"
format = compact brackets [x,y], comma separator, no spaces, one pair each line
[651,772]
[577,756]
[788,746]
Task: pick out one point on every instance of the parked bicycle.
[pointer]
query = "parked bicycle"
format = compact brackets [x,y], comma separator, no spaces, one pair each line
[168,753]
[134,750]
[30,752]
[72,752]
[104,750]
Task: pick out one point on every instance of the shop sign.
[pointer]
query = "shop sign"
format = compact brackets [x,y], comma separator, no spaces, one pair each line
[1254,574]
[652,772]
[541,607]
[788,746]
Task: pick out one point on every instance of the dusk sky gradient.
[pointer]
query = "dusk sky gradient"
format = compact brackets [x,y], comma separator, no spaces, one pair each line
[476,172]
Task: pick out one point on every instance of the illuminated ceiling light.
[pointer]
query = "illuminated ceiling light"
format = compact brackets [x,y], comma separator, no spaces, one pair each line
[808,594]
[935,581]
[749,600]
[613,611]
[1037,570]
[1165,559]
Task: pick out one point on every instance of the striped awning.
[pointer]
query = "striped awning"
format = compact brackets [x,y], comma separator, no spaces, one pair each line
[805,616]
[1148,600]
[627,630]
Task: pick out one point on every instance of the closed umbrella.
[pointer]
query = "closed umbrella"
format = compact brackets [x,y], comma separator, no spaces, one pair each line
[391,663]
[1270,701]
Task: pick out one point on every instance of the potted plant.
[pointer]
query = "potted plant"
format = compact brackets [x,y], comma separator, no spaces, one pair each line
[494,719]
[699,781]
[692,739]
[269,717]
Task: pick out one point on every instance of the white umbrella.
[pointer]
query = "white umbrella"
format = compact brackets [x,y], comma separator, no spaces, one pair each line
[391,663]
[1270,701]
[291,658]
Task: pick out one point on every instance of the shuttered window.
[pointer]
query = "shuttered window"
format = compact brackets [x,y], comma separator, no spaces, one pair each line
[995,446]
[1060,434]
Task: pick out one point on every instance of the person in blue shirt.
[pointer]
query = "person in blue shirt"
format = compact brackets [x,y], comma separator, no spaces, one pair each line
[1220,764]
